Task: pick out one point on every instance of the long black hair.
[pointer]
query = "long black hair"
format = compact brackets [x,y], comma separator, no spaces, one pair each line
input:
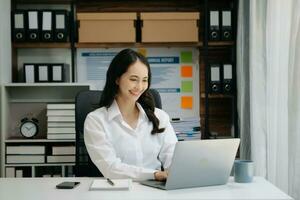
[117,68]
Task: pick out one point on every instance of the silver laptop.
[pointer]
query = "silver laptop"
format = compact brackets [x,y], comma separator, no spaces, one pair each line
[199,163]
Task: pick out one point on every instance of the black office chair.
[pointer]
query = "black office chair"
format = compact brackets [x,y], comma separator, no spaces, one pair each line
[85,102]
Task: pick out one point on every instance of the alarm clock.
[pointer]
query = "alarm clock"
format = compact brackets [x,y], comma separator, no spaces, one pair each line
[29,127]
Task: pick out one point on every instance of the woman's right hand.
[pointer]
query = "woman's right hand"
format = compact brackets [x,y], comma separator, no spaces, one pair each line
[161,175]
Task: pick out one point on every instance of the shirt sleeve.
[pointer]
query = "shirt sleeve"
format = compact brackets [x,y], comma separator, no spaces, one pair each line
[103,155]
[168,143]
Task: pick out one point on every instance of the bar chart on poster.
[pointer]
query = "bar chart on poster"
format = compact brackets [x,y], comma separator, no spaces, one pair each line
[175,75]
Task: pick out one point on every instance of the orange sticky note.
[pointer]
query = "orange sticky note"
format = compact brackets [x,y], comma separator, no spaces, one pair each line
[186,71]
[142,51]
[187,102]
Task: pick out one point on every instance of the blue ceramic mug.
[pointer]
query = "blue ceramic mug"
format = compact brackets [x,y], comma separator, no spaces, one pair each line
[243,171]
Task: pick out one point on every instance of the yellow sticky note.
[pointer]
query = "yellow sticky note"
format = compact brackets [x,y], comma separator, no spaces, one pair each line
[142,51]
[187,71]
[187,102]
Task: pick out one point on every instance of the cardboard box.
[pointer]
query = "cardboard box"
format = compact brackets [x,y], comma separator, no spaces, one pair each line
[170,27]
[106,27]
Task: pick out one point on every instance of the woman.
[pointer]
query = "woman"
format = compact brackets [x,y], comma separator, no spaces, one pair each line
[127,137]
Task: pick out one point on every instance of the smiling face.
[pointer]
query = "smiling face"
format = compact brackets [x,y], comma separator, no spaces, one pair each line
[133,82]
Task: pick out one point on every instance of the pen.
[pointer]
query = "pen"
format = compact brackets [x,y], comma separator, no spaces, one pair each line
[110,182]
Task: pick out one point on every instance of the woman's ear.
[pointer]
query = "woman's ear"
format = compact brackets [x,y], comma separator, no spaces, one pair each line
[117,81]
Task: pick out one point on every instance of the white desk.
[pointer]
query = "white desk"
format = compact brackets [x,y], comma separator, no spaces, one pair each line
[44,189]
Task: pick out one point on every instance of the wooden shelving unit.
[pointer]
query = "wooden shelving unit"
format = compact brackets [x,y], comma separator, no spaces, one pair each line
[136,45]
[19,99]
[217,111]
[216,96]
[41,45]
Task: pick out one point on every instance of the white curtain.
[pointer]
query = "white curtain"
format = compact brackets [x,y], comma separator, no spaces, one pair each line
[294,103]
[270,133]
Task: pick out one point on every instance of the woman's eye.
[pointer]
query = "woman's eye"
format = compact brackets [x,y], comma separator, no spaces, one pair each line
[133,79]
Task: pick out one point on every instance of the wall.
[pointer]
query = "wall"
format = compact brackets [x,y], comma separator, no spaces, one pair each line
[5,41]
[5,50]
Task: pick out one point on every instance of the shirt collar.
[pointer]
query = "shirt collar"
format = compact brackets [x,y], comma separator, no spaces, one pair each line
[142,111]
[114,111]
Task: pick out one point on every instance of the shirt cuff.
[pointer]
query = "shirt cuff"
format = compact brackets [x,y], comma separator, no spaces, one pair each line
[147,175]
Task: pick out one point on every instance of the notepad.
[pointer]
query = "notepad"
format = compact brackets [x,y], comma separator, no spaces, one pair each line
[119,184]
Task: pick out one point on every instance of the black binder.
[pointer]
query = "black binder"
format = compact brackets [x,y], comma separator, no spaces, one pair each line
[226,25]
[19,23]
[42,72]
[61,25]
[47,25]
[29,72]
[214,78]
[33,17]
[57,72]
[214,25]
[228,86]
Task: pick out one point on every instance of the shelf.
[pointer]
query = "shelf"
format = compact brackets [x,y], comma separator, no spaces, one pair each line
[221,137]
[139,45]
[138,6]
[21,99]
[42,100]
[221,43]
[35,141]
[46,85]
[43,92]
[217,96]
[42,1]
[154,44]
[41,45]
[39,164]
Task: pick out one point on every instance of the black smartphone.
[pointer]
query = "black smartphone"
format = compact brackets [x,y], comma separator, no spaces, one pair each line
[67,185]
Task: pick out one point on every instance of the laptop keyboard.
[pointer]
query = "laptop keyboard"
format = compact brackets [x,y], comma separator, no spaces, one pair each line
[160,183]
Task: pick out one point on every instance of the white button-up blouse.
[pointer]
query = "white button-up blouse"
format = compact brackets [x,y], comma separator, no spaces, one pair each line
[120,151]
